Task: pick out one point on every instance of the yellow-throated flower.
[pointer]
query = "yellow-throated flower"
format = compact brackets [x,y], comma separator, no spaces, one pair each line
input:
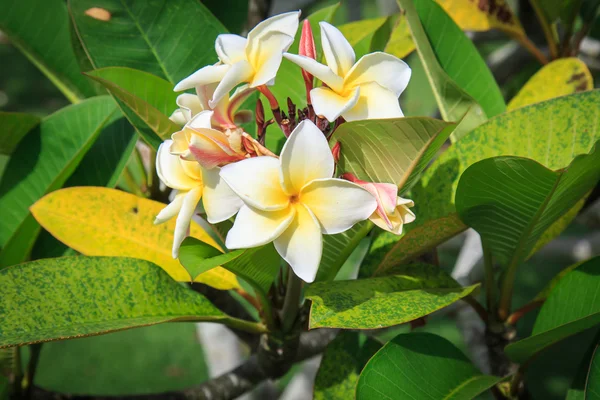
[254,60]
[366,89]
[293,200]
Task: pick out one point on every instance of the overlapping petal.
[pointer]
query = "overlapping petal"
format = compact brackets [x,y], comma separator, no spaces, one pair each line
[220,202]
[331,105]
[204,76]
[374,102]
[254,227]
[184,218]
[338,52]
[388,71]
[283,24]
[305,157]
[170,170]
[337,204]
[230,48]
[171,210]
[239,73]
[211,148]
[320,71]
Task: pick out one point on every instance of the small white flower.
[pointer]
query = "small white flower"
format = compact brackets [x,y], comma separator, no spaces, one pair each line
[294,200]
[192,183]
[366,89]
[254,60]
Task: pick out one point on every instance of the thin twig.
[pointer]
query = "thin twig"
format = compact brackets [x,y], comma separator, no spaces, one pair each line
[547,28]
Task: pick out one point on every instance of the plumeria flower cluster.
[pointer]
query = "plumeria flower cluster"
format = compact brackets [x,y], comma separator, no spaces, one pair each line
[294,198]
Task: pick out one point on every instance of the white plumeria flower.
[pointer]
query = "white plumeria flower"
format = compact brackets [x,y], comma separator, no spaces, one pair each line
[366,89]
[254,60]
[192,183]
[293,200]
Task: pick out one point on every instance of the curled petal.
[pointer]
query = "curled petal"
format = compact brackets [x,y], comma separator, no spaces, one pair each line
[181,144]
[388,71]
[201,120]
[190,105]
[401,215]
[211,148]
[267,63]
[253,228]
[322,72]
[337,204]
[230,48]
[305,157]
[375,102]
[171,210]
[282,24]
[332,105]
[182,225]
[238,73]
[170,170]
[204,76]
[338,52]
[220,202]
[301,244]
[179,116]
[256,181]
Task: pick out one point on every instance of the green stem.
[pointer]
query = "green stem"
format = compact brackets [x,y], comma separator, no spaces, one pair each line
[291,303]
[246,326]
[549,29]
[267,310]
[32,367]
[128,176]
[17,373]
[489,279]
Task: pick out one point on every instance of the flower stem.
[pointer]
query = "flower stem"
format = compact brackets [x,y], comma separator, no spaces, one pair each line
[246,326]
[549,29]
[489,279]
[291,303]
[528,44]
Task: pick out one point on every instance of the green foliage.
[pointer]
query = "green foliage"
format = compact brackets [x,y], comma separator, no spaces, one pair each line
[410,292]
[337,248]
[158,37]
[40,29]
[421,365]
[145,99]
[14,127]
[340,367]
[85,296]
[592,387]
[570,308]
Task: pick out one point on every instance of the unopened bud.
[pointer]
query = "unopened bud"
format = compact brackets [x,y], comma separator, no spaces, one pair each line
[259,114]
[336,150]
[307,49]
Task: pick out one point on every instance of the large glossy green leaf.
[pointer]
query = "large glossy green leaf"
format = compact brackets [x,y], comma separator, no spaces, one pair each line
[418,366]
[340,367]
[145,99]
[390,150]
[552,133]
[44,160]
[13,127]
[361,34]
[62,298]
[40,29]
[511,201]
[168,38]
[411,292]
[592,387]
[258,266]
[430,25]
[234,16]
[570,308]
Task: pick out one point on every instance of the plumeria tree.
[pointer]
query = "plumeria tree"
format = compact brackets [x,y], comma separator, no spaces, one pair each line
[271,183]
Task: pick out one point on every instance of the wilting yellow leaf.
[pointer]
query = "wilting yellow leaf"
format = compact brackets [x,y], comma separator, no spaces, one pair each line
[99,221]
[483,15]
[400,43]
[559,78]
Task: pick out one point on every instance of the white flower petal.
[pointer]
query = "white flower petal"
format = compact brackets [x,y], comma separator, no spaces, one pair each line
[201,120]
[256,181]
[171,210]
[286,23]
[220,202]
[170,170]
[320,71]
[338,204]
[330,104]
[182,225]
[385,69]
[230,48]
[338,52]
[266,63]
[205,94]
[374,102]
[239,72]
[301,244]
[204,76]
[190,105]
[305,156]
[179,117]
[253,228]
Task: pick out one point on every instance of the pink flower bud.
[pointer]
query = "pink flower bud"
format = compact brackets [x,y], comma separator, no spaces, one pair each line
[337,148]
[307,49]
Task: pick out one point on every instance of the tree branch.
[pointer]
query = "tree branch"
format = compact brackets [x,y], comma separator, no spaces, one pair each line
[227,386]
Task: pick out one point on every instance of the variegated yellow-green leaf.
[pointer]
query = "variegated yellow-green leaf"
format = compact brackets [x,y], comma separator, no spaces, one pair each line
[400,43]
[360,33]
[410,292]
[552,132]
[559,78]
[421,366]
[68,297]
[106,222]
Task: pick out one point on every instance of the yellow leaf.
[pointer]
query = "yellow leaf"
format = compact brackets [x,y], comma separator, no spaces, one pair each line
[559,78]
[356,31]
[483,15]
[400,43]
[99,221]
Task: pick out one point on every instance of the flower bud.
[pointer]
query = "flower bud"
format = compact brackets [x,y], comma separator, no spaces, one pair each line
[307,49]
[336,150]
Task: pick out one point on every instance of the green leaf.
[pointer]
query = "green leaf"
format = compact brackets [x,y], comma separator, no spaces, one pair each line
[258,266]
[40,29]
[411,292]
[569,309]
[400,43]
[361,33]
[14,126]
[63,298]
[390,150]
[421,365]
[145,99]
[44,160]
[511,201]
[552,132]
[340,367]
[452,65]
[234,16]
[592,387]
[168,38]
